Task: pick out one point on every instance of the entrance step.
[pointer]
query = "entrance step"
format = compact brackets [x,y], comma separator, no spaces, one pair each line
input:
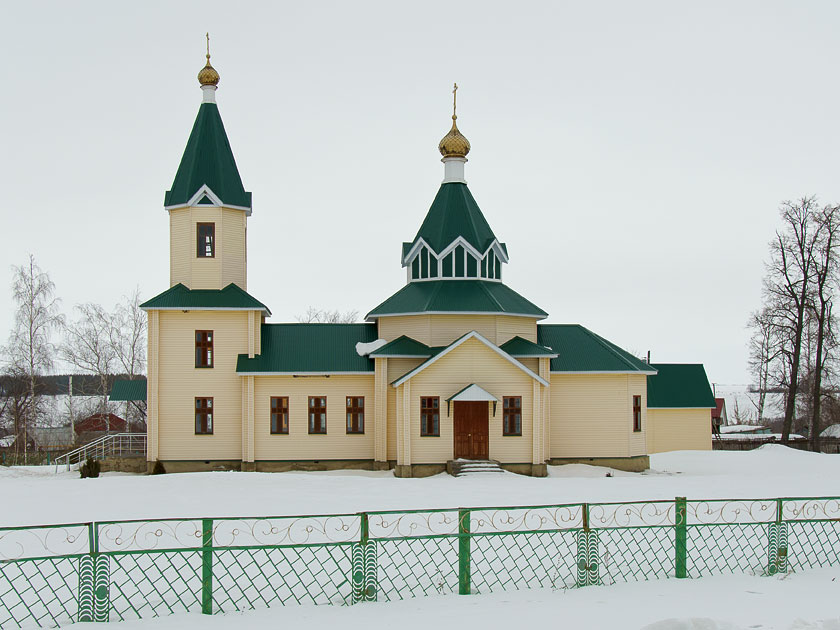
[464,467]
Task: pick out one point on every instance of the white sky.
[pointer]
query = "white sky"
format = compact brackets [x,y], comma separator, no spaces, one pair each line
[632,155]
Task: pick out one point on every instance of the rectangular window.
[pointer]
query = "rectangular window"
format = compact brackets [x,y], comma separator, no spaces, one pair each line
[206,240]
[512,415]
[433,267]
[472,266]
[424,263]
[203,348]
[430,416]
[637,413]
[280,415]
[203,416]
[355,414]
[317,414]
[460,260]
[446,266]
[415,268]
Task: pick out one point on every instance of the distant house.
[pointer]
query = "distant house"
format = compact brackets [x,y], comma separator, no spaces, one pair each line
[744,429]
[719,418]
[54,438]
[98,425]
[679,399]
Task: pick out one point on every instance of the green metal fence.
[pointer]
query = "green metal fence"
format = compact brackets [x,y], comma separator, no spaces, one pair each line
[58,574]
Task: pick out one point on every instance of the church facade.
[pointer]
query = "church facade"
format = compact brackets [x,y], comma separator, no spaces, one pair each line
[454,365]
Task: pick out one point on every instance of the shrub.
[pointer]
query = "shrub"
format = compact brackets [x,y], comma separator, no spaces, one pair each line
[158,469]
[89,469]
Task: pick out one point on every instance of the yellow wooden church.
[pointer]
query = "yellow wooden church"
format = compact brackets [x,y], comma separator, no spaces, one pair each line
[454,366]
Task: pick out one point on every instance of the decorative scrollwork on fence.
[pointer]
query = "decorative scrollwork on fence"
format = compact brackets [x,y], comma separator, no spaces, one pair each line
[37,542]
[811,509]
[731,512]
[657,513]
[300,530]
[412,524]
[150,535]
[562,517]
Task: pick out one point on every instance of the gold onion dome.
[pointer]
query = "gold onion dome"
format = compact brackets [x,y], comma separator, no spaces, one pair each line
[208,75]
[454,144]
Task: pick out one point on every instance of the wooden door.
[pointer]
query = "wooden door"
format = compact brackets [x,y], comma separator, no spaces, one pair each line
[472,431]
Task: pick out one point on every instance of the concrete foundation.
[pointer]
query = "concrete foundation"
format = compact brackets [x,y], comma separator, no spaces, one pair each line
[639,463]
[418,470]
[123,464]
[196,466]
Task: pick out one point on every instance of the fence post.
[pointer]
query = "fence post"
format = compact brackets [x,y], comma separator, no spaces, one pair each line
[207,566]
[94,581]
[588,571]
[364,564]
[777,545]
[680,537]
[464,552]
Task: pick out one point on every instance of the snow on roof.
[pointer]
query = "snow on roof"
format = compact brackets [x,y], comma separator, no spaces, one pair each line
[742,428]
[767,437]
[363,349]
[6,442]
[832,431]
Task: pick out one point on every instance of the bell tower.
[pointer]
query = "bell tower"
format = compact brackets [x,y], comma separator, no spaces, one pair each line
[207,204]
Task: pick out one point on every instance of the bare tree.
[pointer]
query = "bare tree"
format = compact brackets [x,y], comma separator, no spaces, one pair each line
[787,284]
[764,351]
[30,350]
[87,346]
[127,332]
[824,280]
[324,316]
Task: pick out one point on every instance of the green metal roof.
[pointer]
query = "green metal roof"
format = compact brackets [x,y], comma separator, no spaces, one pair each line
[456,296]
[230,298]
[679,385]
[404,347]
[519,347]
[306,348]
[581,350]
[455,213]
[208,160]
[128,390]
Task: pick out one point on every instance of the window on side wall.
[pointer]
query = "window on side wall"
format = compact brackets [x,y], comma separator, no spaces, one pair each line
[203,348]
[637,413]
[355,414]
[280,415]
[512,415]
[317,414]
[203,416]
[430,416]
[205,240]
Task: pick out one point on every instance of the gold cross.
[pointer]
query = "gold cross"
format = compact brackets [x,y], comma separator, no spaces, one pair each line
[454,98]
[208,46]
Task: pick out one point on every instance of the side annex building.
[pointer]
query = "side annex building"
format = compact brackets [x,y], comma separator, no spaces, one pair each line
[455,365]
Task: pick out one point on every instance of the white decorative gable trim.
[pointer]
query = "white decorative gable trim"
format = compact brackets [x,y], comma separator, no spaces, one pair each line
[206,191]
[415,250]
[473,393]
[457,343]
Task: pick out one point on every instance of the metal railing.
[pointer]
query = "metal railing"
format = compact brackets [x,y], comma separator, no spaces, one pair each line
[120,570]
[115,445]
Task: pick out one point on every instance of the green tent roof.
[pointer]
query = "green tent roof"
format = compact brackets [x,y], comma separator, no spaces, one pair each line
[519,347]
[302,348]
[404,347]
[581,350]
[456,296]
[128,390]
[229,298]
[679,385]
[455,213]
[208,160]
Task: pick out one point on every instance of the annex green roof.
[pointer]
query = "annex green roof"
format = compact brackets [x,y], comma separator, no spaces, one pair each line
[455,213]
[310,348]
[456,296]
[179,297]
[124,390]
[519,347]
[208,161]
[405,347]
[581,350]
[679,385]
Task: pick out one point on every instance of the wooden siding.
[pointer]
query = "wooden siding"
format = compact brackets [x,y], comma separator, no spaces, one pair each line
[592,415]
[441,330]
[228,265]
[299,444]
[471,362]
[152,399]
[180,382]
[679,430]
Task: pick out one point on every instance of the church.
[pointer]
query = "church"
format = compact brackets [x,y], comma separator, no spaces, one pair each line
[454,366]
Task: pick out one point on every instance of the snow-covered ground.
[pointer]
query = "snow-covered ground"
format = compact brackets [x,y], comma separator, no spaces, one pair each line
[47,497]
[800,600]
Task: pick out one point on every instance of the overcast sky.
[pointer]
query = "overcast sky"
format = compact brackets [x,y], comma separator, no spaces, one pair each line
[632,155]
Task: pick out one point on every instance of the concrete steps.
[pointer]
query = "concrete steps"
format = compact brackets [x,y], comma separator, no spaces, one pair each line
[466,467]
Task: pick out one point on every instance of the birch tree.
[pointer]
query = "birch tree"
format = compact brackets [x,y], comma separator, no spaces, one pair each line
[30,349]
[87,346]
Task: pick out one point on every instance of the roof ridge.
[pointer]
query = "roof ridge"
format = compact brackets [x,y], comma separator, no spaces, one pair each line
[492,297]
